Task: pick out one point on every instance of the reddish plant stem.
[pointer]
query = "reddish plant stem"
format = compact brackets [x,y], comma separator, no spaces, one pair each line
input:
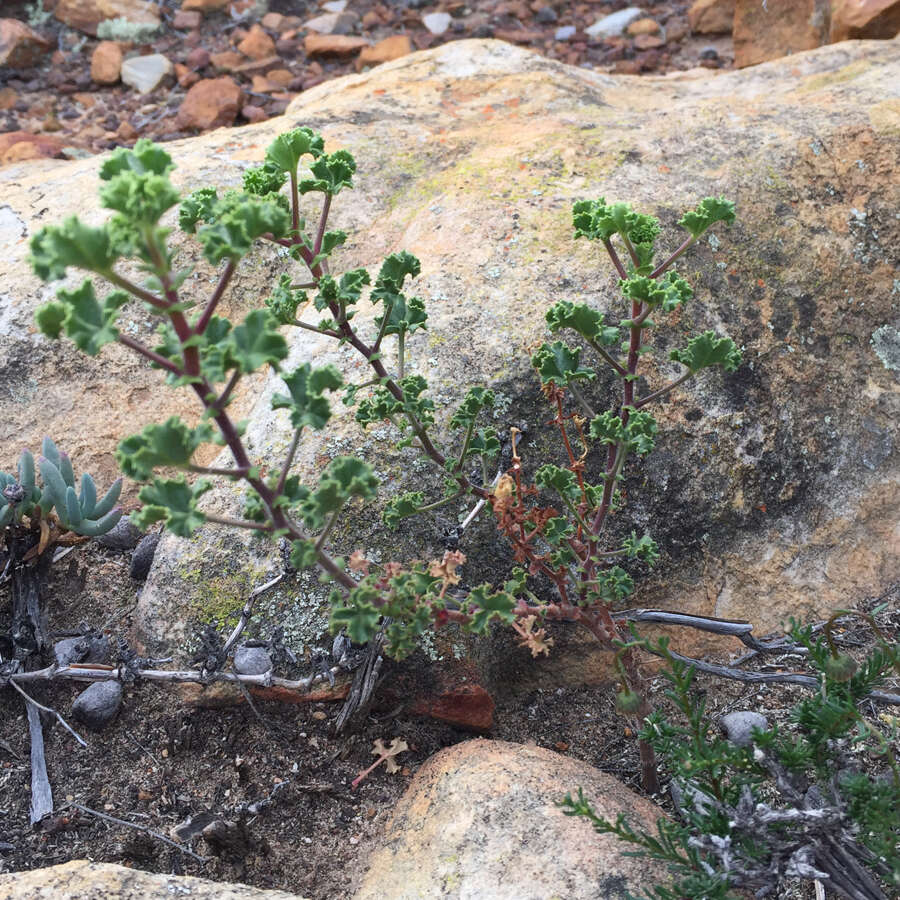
[217,295]
[152,355]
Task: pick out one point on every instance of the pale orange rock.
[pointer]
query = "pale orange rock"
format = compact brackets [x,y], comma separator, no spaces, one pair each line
[8,98]
[227,60]
[20,46]
[483,817]
[210,103]
[392,47]
[106,62]
[711,16]
[648,41]
[186,76]
[16,146]
[203,6]
[254,113]
[126,132]
[280,77]
[333,45]
[257,44]
[272,21]
[643,26]
[86,15]
[780,28]
[864,19]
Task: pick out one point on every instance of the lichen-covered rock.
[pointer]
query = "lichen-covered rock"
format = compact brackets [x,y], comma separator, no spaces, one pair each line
[772,491]
[104,881]
[482,819]
[86,15]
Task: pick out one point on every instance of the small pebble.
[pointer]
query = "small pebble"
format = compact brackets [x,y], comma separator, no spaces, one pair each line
[565,33]
[709,53]
[142,558]
[546,15]
[252,660]
[738,726]
[97,705]
[437,22]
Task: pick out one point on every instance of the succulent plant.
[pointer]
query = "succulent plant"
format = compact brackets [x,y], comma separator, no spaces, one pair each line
[80,512]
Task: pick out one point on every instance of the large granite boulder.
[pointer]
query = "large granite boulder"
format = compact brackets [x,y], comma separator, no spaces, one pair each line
[482,819]
[772,491]
[104,881]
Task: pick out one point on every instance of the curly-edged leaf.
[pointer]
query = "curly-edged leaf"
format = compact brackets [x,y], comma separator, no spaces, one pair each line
[557,530]
[306,403]
[668,292]
[285,151]
[405,316]
[56,247]
[563,481]
[413,402]
[145,158]
[358,614]
[581,318]
[332,172]
[613,584]
[707,212]
[141,199]
[394,271]
[197,207]
[402,507]
[169,444]
[238,219]
[174,502]
[640,432]
[255,342]
[380,406]
[643,547]
[345,477]
[87,322]
[607,428]
[484,605]
[345,292]
[477,399]
[283,302]
[558,363]
[49,318]
[330,241]
[708,350]
[484,443]
[303,554]
[264,179]
[599,220]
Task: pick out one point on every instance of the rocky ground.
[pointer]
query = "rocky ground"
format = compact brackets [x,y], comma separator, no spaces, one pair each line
[166,766]
[206,67]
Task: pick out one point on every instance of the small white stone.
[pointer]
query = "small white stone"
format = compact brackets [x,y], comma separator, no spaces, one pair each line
[335,6]
[144,73]
[615,23]
[564,33]
[324,24]
[437,22]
